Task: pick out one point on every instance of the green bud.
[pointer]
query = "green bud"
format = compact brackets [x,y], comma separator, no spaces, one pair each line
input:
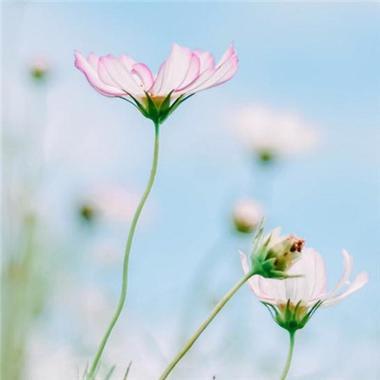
[273,255]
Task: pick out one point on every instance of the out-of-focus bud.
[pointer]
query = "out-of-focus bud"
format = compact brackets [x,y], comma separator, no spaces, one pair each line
[247,215]
[272,256]
[87,212]
[39,69]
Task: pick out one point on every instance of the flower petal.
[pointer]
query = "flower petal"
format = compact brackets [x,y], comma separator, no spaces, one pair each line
[206,60]
[89,68]
[223,72]
[270,290]
[144,74]
[111,70]
[173,71]
[312,283]
[347,270]
[360,280]
[127,61]
[192,73]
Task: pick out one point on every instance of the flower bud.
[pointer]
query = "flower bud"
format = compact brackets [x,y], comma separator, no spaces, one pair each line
[273,255]
[87,212]
[39,69]
[285,252]
[247,215]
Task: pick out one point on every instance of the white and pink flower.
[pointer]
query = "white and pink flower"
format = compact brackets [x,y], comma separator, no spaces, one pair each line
[293,300]
[184,73]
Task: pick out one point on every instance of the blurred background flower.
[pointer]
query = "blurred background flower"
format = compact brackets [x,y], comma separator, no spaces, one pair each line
[39,69]
[271,134]
[112,203]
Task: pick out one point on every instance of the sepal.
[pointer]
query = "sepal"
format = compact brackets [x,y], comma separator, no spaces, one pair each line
[292,317]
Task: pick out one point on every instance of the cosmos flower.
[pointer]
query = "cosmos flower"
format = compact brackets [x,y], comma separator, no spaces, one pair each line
[247,215]
[273,255]
[294,300]
[184,73]
[272,134]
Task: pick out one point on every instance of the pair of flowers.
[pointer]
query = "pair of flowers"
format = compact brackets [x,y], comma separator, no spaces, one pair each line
[287,278]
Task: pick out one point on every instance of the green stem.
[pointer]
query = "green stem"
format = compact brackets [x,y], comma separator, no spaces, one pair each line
[204,325]
[290,355]
[124,285]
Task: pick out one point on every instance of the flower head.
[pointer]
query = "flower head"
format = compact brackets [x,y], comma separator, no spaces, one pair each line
[110,202]
[273,255]
[272,134]
[247,215]
[294,300]
[184,73]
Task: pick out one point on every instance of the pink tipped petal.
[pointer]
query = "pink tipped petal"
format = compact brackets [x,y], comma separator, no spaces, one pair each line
[192,73]
[128,62]
[173,71]
[229,53]
[206,60]
[193,87]
[223,72]
[360,280]
[93,60]
[112,70]
[144,74]
[88,68]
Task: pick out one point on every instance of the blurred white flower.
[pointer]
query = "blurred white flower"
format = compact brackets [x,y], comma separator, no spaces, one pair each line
[247,215]
[294,300]
[112,203]
[272,134]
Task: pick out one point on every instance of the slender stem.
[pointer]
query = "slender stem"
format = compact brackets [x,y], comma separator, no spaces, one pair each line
[204,325]
[124,285]
[290,355]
